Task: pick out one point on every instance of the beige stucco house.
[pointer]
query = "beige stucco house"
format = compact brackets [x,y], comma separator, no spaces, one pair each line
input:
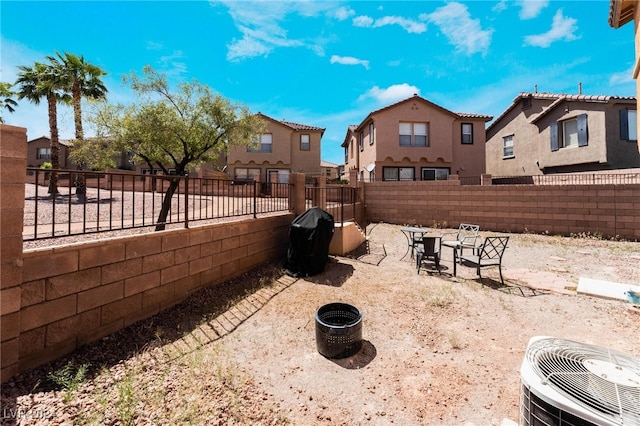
[330,170]
[621,12]
[415,139]
[542,133]
[39,152]
[284,148]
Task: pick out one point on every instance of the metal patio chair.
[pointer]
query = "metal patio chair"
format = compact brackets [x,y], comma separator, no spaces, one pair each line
[464,238]
[428,247]
[488,254]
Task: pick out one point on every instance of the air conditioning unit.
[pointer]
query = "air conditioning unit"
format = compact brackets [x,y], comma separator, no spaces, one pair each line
[567,383]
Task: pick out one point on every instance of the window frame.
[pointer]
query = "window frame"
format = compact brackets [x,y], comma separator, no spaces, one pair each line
[463,134]
[261,144]
[505,139]
[437,171]
[305,146]
[247,173]
[568,136]
[411,139]
[629,125]
[397,176]
[371,133]
[43,156]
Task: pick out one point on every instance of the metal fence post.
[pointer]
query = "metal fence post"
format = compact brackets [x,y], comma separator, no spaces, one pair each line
[186,200]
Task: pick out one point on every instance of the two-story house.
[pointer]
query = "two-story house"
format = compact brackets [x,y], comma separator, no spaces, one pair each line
[39,152]
[283,148]
[543,133]
[415,139]
[621,12]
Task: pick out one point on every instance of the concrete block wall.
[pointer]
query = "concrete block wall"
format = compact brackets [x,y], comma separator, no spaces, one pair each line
[611,210]
[13,162]
[76,294]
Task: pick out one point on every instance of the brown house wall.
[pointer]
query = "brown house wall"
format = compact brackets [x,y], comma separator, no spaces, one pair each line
[612,210]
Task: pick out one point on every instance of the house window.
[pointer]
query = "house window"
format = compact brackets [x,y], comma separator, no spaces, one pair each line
[372,176]
[629,125]
[371,134]
[569,133]
[264,144]
[346,154]
[398,173]
[507,147]
[361,141]
[305,144]
[413,134]
[43,154]
[467,133]
[434,173]
[242,173]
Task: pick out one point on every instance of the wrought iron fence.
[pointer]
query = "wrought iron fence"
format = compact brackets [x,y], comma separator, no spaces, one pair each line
[570,179]
[121,200]
[339,200]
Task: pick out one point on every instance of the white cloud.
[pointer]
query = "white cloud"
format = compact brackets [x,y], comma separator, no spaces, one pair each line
[500,6]
[344,13]
[622,77]
[456,24]
[349,60]
[260,23]
[363,21]
[531,8]
[408,25]
[154,45]
[391,94]
[171,66]
[561,29]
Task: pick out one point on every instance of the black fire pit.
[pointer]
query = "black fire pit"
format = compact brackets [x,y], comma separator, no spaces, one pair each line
[338,330]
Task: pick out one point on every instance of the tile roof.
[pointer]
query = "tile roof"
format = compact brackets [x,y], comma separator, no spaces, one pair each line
[416,97]
[558,98]
[295,126]
[298,126]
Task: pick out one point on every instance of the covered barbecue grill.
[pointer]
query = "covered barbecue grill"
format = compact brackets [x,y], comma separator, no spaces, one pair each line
[309,238]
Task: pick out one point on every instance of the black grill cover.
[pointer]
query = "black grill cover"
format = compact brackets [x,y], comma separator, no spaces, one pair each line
[309,238]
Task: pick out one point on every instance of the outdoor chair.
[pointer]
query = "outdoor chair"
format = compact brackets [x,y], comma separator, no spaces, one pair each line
[428,247]
[488,254]
[464,238]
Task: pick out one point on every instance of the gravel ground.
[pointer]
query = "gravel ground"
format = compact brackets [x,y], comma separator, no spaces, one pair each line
[437,349]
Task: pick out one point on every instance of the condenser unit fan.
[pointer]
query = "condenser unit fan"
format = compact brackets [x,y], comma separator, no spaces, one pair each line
[570,383]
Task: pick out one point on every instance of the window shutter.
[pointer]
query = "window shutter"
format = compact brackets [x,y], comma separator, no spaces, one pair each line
[583,134]
[554,136]
[624,124]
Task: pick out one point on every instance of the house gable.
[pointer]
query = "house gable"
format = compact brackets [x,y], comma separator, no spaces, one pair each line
[550,133]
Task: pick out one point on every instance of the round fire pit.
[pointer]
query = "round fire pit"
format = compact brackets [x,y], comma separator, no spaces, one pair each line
[338,330]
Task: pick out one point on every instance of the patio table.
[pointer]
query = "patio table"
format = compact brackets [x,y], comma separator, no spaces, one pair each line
[411,232]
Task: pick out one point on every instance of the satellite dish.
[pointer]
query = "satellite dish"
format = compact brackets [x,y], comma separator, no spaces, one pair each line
[370,167]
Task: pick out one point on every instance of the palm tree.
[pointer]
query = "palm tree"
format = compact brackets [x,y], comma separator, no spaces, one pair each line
[6,95]
[43,81]
[81,79]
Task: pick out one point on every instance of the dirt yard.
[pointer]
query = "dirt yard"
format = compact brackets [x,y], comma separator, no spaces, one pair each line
[437,349]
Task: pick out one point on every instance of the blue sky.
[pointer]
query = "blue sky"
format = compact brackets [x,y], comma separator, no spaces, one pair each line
[327,63]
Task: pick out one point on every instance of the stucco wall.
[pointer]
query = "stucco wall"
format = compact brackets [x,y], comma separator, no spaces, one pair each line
[612,210]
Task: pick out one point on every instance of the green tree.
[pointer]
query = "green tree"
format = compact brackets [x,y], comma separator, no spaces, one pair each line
[6,94]
[44,81]
[174,130]
[81,79]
